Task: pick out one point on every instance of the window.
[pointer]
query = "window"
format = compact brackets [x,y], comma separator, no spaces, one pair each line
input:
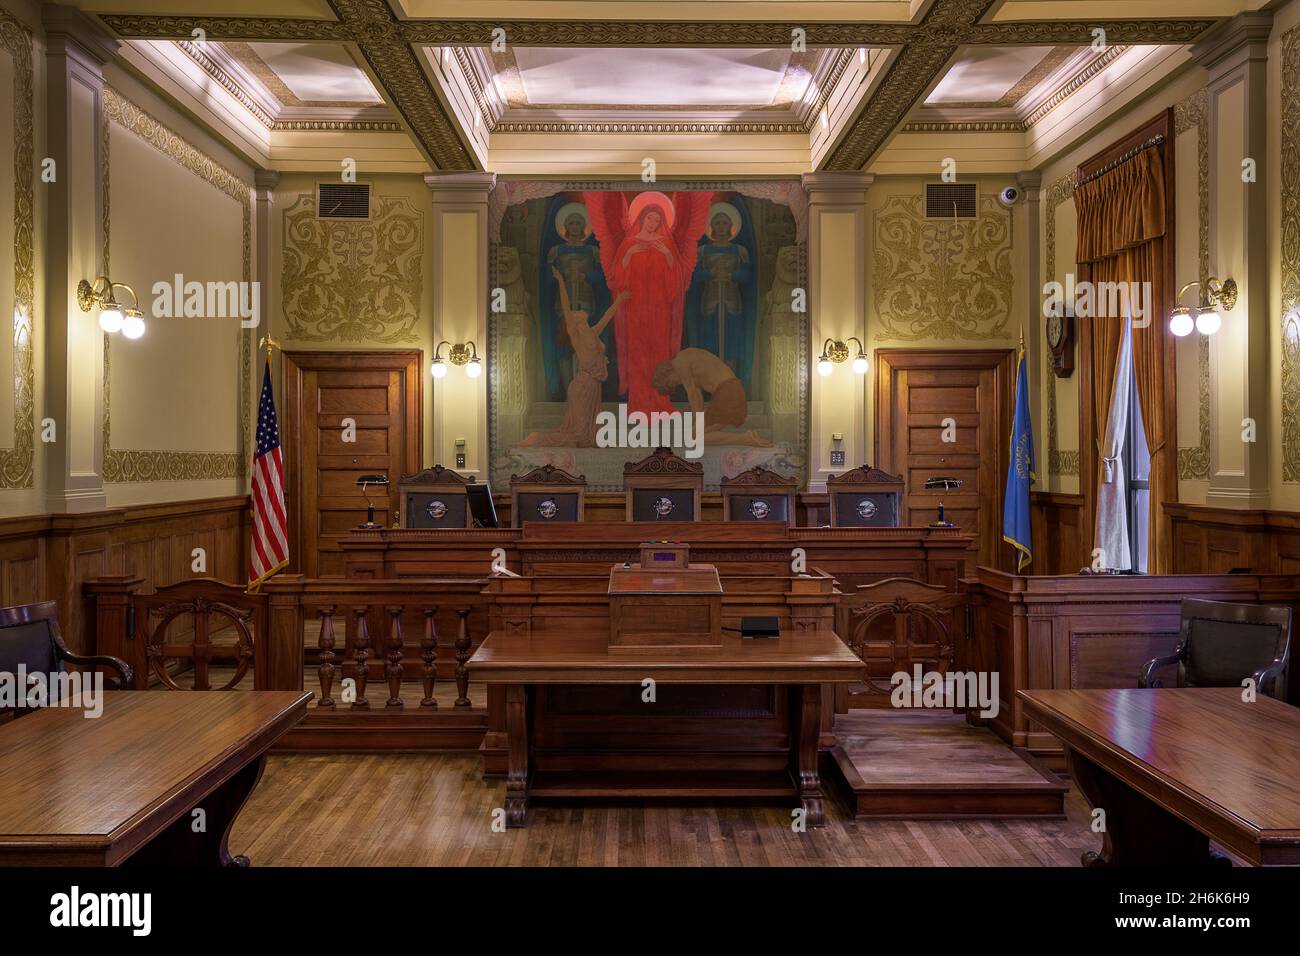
[1137,472]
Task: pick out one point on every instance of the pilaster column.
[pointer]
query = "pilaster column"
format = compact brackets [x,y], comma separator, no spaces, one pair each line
[264,183]
[460,309]
[838,256]
[1236,55]
[76,49]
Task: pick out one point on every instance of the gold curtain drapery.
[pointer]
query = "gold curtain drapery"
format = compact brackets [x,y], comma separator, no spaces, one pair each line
[1122,230]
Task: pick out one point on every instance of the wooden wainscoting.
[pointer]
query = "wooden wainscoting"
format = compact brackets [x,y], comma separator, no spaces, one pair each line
[1217,540]
[50,557]
[1060,541]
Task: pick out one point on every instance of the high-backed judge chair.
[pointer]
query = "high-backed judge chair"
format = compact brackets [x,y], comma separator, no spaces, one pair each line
[759,494]
[865,497]
[30,638]
[663,487]
[1221,644]
[546,494]
[434,498]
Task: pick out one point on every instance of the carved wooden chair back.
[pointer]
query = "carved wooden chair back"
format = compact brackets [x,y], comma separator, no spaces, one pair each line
[195,624]
[898,623]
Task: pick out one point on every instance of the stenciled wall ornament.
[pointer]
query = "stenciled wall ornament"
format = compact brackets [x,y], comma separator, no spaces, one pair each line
[1290,187]
[942,279]
[1194,461]
[1063,463]
[16,463]
[122,465]
[345,281]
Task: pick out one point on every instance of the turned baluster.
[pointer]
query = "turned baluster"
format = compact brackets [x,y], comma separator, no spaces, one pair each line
[462,655]
[429,651]
[394,669]
[326,645]
[360,655]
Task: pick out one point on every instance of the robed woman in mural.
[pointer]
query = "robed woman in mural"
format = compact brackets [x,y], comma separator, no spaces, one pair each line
[648,248]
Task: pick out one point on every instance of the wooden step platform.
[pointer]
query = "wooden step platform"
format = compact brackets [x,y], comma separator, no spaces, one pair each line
[928,764]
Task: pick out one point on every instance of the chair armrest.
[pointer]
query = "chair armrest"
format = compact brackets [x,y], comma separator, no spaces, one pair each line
[1146,680]
[1266,677]
[126,672]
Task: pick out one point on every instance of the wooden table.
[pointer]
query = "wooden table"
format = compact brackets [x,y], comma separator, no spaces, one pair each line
[1174,768]
[101,791]
[799,661]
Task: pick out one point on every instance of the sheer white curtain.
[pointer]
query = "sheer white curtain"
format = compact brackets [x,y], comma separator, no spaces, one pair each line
[1112,496]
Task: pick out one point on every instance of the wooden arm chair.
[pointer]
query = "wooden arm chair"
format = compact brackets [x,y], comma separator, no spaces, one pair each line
[1221,644]
[30,638]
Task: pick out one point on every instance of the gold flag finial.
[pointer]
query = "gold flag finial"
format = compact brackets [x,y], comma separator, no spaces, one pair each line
[270,344]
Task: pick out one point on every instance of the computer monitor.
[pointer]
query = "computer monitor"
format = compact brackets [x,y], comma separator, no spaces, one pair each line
[481,507]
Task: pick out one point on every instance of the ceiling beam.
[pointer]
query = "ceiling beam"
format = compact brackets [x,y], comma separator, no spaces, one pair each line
[392,48]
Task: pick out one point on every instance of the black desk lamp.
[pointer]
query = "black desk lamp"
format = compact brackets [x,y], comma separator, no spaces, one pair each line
[942,483]
[364,482]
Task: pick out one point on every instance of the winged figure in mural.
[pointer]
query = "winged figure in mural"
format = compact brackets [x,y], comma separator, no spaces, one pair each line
[648,249]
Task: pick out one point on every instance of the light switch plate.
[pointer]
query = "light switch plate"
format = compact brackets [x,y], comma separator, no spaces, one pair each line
[837,458]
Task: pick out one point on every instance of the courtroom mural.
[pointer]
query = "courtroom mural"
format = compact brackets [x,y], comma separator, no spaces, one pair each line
[652,299]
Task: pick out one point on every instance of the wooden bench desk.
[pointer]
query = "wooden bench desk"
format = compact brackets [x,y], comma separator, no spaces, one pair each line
[121,786]
[1174,768]
[800,662]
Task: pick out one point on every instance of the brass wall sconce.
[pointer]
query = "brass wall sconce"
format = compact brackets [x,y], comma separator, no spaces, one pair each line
[464,354]
[1207,319]
[834,352]
[113,317]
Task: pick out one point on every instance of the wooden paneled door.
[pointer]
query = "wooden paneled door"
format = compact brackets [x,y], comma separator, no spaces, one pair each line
[383,393]
[917,390]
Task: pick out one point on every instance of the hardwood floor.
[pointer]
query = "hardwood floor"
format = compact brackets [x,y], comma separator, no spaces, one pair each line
[435,810]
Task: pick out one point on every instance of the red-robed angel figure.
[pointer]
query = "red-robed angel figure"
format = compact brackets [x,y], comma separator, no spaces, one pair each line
[647,249]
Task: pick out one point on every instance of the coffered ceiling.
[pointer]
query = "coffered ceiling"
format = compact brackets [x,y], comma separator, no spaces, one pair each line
[844,77]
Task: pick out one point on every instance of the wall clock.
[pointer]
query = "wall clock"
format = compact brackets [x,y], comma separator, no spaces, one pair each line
[1060,339]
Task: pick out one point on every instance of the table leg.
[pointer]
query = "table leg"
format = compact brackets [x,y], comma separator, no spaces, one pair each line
[180,845]
[805,733]
[1139,832]
[516,755]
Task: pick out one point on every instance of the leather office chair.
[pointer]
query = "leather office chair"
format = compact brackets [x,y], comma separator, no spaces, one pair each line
[1221,644]
[30,636]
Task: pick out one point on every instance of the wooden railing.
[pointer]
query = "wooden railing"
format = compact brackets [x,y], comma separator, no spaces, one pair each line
[375,618]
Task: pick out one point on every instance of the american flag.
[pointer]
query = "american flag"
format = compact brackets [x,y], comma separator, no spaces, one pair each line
[270,549]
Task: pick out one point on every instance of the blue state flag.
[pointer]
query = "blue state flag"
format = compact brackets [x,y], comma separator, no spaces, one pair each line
[1020,474]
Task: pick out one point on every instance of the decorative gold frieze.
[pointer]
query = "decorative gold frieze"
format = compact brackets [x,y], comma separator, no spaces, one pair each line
[1290,271]
[353,281]
[1058,462]
[129,465]
[1193,113]
[939,279]
[16,463]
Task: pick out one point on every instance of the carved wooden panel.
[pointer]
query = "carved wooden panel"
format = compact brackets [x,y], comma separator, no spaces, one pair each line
[1101,659]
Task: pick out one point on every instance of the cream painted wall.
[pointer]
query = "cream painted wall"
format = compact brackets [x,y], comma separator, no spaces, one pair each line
[175,391]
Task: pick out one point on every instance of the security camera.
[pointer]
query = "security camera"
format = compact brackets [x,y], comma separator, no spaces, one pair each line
[1009,196]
